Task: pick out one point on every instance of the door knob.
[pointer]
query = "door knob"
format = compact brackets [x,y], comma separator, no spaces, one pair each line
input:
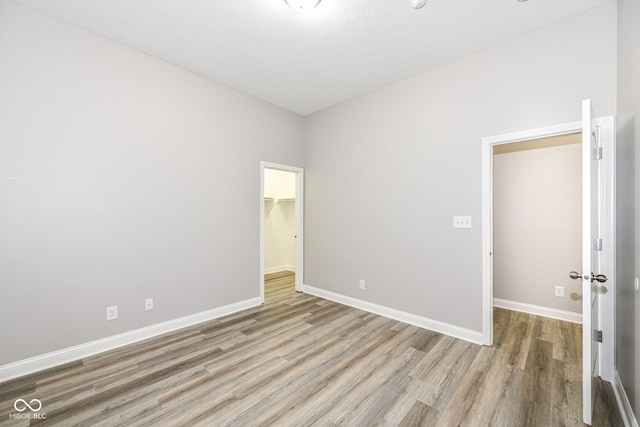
[575,275]
[598,278]
[594,277]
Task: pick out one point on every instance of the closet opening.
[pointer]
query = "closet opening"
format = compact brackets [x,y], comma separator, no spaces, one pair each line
[281,225]
[537,226]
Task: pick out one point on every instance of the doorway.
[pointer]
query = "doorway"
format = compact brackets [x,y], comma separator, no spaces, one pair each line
[606,315]
[281,222]
[537,233]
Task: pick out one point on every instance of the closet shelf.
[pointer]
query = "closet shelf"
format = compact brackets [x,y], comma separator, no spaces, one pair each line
[283,200]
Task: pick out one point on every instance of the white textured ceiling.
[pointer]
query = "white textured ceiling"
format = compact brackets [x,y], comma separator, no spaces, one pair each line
[305,63]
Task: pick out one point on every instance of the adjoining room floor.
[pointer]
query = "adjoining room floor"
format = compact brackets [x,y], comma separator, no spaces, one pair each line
[300,360]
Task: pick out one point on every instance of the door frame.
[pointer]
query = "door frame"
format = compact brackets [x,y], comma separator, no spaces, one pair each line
[299,206]
[607,303]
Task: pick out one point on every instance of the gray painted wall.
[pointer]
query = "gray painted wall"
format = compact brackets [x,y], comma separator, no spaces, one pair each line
[386,172]
[537,226]
[121,178]
[628,201]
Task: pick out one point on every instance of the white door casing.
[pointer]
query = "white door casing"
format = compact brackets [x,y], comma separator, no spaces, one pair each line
[606,316]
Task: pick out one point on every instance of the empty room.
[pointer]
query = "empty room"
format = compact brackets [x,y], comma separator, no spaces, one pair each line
[319,212]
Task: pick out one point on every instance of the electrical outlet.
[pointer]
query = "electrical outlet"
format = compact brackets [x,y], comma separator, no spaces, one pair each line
[112,312]
[361,284]
[461,222]
[148,304]
[560,291]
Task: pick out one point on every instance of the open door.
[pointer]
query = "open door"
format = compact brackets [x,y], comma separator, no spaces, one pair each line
[592,279]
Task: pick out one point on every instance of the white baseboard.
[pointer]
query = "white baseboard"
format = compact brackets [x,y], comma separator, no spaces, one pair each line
[279,268]
[553,313]
[412,319]
[70,354]
[623,402]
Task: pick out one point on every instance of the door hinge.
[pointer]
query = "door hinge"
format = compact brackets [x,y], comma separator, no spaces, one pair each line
[597,151]
[597,245]
[597,336]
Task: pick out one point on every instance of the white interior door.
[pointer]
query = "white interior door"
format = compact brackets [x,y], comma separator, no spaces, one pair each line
[592,216]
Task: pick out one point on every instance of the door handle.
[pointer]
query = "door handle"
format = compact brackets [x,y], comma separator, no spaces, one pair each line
[598,278]
[575,275]
[601,278]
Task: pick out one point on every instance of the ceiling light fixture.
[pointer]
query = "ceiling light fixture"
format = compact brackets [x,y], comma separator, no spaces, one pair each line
[417,4]
[302,6]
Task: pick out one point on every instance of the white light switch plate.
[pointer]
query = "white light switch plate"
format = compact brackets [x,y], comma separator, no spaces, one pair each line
[461,222]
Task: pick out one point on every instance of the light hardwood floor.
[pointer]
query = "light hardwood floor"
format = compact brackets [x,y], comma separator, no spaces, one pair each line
[300,360]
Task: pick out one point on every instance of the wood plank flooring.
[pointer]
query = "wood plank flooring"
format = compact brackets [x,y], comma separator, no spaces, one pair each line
[299,360]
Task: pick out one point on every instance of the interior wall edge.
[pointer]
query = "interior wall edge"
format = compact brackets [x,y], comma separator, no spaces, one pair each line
[624,406]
